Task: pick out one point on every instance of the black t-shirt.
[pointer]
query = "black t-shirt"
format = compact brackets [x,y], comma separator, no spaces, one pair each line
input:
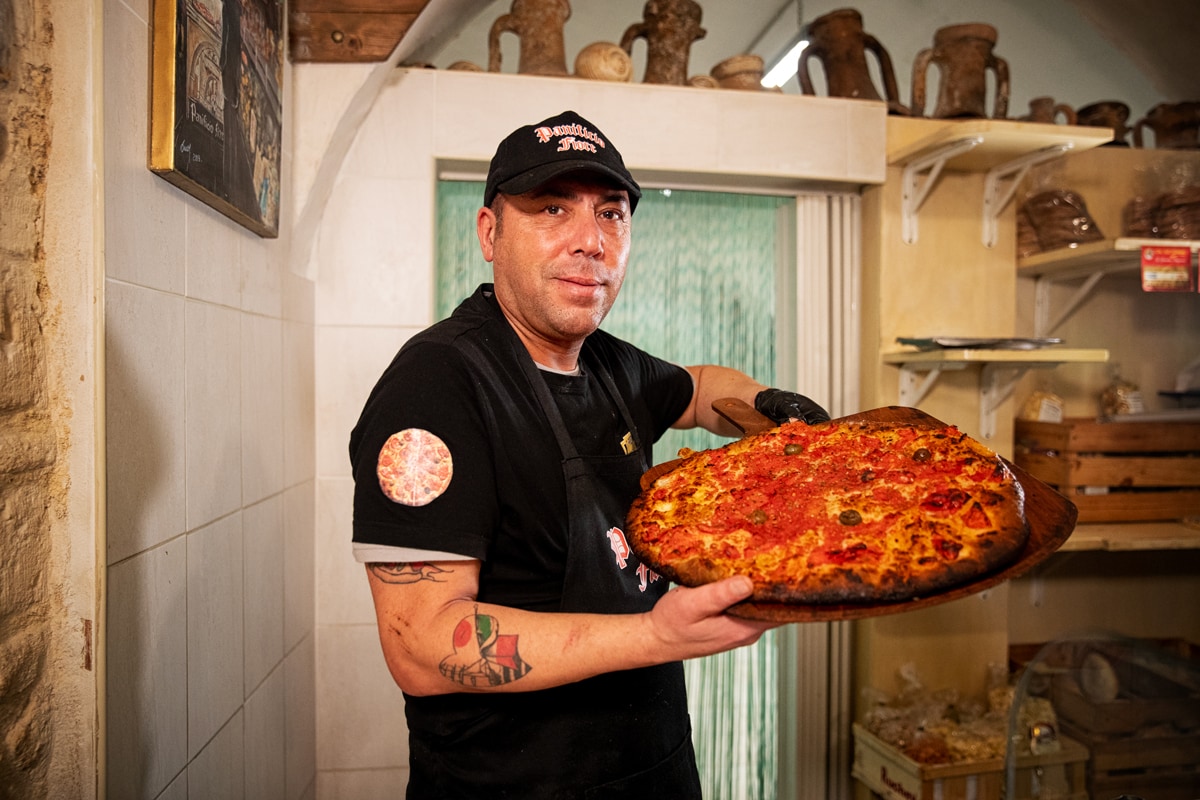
[505,503]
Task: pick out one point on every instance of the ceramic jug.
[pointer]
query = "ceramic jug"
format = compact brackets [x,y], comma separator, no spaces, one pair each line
[963,55]
[1044,109]
[539,26]
[839,42]
[669,28]
[1107,114]
[1176,126]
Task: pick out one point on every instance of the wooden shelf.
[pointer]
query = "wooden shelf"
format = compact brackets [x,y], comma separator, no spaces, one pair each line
[1125,536]
[1004,149]
[1000,371]
[1003,141]
[1106,256]
[1091,262]
[1049,356]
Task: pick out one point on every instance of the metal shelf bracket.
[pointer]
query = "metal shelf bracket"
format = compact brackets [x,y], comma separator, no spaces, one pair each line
[996,197]
[913,388]
[914,192]
[996,385]
[1043,325]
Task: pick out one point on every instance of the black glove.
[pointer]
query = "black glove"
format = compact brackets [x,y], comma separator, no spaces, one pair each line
[783,406]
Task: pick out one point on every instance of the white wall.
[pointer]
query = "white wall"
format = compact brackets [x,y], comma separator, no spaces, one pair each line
[210,473]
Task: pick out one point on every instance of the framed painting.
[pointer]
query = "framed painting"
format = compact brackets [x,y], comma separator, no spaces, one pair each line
[216,104]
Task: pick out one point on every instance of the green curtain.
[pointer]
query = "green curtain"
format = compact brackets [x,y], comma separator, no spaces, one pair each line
[700,289]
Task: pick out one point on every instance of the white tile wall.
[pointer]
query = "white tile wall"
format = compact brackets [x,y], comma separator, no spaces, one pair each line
[266,722]
[211,258]
[212,412]
[261,401]
[218,771]
[343,594]
[390,138]
[178,790]
[370,242]
[298,563]
[210,472]
[375,784]
[320,99]
[299,403]
[360,719]
[300,721]
[147,671]
[215,628]
[263,580]
[143,394]
[263,267]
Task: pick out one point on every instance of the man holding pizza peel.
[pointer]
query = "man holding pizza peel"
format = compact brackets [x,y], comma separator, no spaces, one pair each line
[494,463]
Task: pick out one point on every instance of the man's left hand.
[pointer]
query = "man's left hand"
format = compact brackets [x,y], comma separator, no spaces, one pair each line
[783,406]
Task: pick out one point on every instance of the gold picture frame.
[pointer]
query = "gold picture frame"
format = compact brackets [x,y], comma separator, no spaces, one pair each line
[216,105]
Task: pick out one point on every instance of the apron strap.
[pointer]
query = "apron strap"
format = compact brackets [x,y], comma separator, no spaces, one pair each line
[565,444]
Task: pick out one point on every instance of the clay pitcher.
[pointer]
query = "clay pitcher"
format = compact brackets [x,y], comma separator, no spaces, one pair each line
[1176,126]
[963,55]
[539,26]
[1107,114]
[669,28]
[1044,109]
[839,42]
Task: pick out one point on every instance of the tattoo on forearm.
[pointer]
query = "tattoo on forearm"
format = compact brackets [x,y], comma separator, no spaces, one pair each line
[410,572]
[483,656]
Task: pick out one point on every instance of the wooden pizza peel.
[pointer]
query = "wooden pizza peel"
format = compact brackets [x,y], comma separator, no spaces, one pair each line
[1050,515]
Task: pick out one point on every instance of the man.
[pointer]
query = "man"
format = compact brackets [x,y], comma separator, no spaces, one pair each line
[494,464]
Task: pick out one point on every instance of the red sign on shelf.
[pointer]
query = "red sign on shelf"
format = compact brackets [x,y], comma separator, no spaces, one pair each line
[1167,269]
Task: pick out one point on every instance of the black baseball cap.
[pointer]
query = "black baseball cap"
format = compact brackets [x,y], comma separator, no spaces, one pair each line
[532,155]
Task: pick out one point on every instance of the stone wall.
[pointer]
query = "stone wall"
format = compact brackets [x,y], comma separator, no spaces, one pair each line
[32,486]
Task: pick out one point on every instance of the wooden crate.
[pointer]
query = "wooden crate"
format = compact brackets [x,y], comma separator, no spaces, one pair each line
[1158,767]
[1116,471]
[1144,739]
[894,776]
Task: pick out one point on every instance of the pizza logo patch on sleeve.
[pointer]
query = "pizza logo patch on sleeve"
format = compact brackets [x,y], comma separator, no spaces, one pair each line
[414,467]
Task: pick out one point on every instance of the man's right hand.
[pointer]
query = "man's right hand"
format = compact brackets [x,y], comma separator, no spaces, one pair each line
[691,622]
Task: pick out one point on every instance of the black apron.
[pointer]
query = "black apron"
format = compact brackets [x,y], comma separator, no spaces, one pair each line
[617,735]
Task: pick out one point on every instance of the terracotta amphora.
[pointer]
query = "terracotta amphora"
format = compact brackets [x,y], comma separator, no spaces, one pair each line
[539,26]
[669,28]
[839,42]
[1044,109]
[963,55]
[1107,114]
[1176,126]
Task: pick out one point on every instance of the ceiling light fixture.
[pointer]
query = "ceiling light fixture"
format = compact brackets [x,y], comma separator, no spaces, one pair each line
[785,66]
